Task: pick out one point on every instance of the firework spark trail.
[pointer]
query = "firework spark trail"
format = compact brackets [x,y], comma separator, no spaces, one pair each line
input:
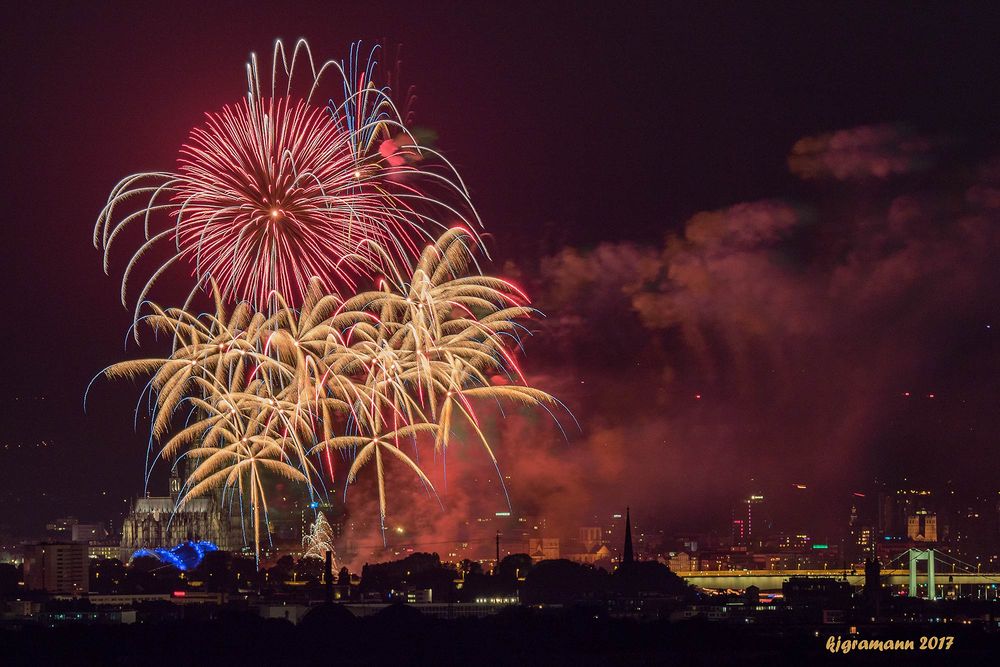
[282,208]
[275,189]
[319,540]
[273,392]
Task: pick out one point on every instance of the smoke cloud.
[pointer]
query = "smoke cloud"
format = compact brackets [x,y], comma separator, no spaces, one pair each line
[872,151]
[828,341]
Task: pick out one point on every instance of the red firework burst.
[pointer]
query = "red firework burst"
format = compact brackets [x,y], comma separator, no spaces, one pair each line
[273,193]
[276,190]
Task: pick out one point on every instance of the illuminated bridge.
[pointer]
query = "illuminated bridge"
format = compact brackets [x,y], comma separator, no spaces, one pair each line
[933,580]
[771,580]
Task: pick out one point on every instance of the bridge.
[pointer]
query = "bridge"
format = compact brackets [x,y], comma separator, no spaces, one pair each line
[955,573]
[771,580]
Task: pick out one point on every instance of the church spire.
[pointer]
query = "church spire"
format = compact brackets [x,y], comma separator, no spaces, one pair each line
[628,557]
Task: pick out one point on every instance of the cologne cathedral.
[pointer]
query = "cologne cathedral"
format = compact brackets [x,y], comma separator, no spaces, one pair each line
[155,522]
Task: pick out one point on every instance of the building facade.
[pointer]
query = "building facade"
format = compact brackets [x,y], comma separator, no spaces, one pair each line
[543,548]
[155,523]
[56,567]
[922,527]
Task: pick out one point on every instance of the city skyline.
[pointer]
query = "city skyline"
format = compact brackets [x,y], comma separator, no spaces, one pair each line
[519,333]
[883,520]
[864,353]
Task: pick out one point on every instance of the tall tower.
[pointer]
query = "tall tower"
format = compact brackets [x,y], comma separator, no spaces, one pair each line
[175,484]
[628,557]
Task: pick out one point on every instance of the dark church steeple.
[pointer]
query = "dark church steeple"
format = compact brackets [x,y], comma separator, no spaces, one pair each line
[628,558]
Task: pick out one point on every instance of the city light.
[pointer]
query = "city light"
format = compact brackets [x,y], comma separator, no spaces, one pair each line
[185,556]
[366,294]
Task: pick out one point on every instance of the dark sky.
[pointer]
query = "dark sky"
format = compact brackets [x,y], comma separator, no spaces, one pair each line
[584,135]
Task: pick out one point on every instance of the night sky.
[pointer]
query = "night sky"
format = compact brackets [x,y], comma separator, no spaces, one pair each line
[753,231]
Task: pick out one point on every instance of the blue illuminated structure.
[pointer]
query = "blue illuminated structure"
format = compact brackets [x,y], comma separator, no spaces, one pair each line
[185,556]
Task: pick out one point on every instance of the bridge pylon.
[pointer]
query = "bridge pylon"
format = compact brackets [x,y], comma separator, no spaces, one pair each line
[917,555]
